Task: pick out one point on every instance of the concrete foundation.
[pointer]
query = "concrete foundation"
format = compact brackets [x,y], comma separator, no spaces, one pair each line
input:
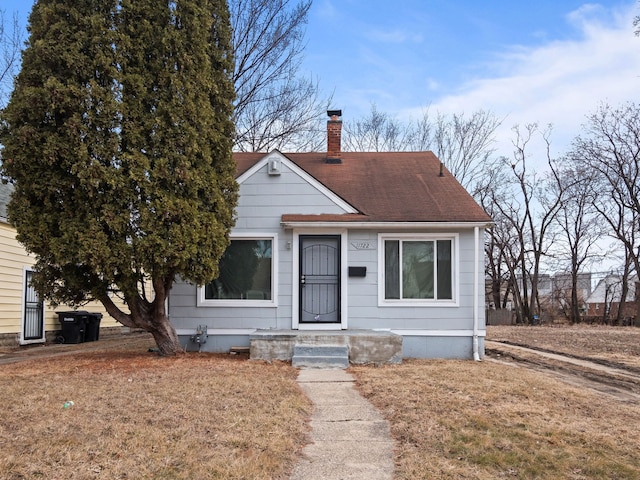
[364,346]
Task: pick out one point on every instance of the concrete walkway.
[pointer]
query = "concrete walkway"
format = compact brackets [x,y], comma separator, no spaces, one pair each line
[349,438]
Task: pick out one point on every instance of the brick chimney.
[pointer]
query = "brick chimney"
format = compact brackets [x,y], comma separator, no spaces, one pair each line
[334,136]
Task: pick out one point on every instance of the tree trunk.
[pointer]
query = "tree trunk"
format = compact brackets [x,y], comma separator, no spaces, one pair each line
[166,338]
[575,306]
[148,316]
[495,292]
[606,307]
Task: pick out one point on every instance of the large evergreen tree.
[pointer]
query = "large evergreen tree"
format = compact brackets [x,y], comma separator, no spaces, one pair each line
[118,140]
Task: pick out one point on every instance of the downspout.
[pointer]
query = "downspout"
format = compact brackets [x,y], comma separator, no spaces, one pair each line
[476,302]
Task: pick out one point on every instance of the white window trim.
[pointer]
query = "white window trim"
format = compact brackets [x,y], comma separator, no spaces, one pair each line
[455,274]
[201,301]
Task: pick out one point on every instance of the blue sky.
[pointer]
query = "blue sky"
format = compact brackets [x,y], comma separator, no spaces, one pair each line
[545,61]
[420,50]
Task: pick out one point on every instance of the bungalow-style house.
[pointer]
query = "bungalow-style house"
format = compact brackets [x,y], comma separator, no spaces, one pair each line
[360,249]
[24,318]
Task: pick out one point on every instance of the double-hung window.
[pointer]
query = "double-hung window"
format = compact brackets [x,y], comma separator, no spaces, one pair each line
[418,269]
[246,275]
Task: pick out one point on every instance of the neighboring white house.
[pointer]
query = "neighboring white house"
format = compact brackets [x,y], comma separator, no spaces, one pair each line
[341,241]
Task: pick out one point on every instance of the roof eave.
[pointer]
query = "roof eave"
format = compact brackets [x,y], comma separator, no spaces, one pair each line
[385,225]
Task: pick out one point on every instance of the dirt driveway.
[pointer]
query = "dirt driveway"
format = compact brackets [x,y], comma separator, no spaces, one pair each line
[605,359]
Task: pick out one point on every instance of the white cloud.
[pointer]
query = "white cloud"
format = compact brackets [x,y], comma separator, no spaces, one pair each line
[587,14]
[560,82]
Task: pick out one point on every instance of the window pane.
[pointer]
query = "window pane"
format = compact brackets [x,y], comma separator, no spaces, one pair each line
[391,269]
[417,270]
[445,287]
[245,272]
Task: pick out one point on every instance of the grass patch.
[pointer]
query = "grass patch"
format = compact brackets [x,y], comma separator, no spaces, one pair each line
[469,420]
[140,416]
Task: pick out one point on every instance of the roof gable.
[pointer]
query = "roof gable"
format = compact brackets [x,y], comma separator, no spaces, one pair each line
[249,164]
[383,187]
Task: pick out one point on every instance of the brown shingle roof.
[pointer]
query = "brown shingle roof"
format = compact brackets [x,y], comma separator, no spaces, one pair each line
[385,187]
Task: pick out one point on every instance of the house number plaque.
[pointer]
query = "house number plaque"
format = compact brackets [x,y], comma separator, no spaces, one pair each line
[362,245]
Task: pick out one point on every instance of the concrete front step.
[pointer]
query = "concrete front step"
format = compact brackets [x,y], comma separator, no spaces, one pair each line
[320,356]
[364,346]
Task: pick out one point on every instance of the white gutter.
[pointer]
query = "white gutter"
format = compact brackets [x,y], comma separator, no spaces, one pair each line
[476,302]
[377,225]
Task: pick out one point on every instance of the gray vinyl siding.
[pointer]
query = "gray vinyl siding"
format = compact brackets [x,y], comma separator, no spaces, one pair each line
[264,199]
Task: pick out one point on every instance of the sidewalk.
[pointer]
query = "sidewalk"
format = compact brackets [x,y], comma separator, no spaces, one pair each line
[349,438]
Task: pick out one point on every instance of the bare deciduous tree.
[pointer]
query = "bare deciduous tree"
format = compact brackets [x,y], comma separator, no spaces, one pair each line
[610,145]
[579,227]
[528,211]
[464,144]
[376,132]
[495,190]
[275,107]
[10,44]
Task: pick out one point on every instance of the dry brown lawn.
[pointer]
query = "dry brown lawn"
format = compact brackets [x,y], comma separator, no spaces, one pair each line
[204,416]
[486,420]
[139,416]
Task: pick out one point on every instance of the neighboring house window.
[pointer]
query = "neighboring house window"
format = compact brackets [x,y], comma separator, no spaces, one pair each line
[418,269]
[246,274]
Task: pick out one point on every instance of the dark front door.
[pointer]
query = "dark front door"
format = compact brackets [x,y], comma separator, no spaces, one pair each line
[320,279]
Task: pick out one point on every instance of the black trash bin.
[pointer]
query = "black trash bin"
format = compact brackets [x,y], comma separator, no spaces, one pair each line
[92,329]
[73,326]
